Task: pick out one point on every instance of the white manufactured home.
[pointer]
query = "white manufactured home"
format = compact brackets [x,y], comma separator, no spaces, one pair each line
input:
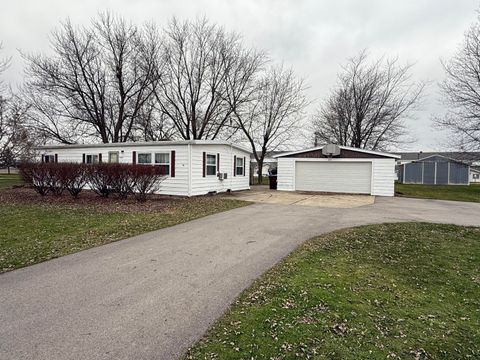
[194,167]
[337,169]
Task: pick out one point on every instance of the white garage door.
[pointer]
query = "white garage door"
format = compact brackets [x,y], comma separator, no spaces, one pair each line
[342,177]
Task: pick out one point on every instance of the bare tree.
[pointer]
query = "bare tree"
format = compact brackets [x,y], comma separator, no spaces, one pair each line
[271,116]
[369,106]
[95,84]
[203,66]
[15,142]
[461,92]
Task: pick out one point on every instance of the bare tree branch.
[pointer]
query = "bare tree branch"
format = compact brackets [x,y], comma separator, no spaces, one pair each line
[461,93]
[203,66]
[272,114]
[96,82]
[369,106]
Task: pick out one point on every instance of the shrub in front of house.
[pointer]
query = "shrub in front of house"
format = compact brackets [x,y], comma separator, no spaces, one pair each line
[147,180]
[104,179]
[37,175]
[74,177]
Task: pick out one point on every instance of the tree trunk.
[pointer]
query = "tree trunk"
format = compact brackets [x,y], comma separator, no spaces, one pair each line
[259,171]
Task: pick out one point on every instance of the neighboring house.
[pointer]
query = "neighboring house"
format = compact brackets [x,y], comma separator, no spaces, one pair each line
[269,163]
[349,170]
[434,170]
[471,158]
[194,167]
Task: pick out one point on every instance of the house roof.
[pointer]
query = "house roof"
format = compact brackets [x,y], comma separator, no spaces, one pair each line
[143,143]
[378,153]
[464,156]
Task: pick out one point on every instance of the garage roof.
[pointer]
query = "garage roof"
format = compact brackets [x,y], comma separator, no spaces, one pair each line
[318,148]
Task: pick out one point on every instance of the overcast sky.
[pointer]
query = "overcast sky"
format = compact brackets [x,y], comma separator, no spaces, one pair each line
[312,36]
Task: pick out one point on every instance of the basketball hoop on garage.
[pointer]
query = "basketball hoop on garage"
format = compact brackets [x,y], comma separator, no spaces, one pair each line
[331,150]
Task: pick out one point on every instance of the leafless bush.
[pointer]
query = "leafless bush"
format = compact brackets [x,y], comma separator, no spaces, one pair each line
[37,175]
[147,180]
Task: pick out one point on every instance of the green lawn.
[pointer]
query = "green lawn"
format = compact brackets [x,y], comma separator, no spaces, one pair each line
[265,180]
[9,180]
[441,192]
[33,233]
[394,291]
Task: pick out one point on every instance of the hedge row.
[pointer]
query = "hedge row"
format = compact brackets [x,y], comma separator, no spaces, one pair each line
[104,179]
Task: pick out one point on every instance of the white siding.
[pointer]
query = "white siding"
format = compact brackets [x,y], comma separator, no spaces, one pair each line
[188,180]
[286,174]
[170,186]
[203,185]
[383,177]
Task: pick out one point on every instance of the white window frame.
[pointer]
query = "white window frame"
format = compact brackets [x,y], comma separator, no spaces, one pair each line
[93,157]
[207,165]
[240,167]
[163,164]
[144,163]
[110,153]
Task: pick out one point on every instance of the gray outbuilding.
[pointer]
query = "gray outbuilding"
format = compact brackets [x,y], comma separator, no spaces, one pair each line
[434,170]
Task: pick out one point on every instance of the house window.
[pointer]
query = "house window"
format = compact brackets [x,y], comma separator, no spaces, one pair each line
[113,157]
[211,164]
[476,176]
[91,159]
[239,166]
[49,158]
[163,160]
[144,158]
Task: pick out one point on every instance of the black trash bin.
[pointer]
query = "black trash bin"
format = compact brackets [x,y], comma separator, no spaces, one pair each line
[272,178]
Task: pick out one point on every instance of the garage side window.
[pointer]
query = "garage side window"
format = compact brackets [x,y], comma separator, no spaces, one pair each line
[163,161]
[211,164]
[240,166]
[144,158]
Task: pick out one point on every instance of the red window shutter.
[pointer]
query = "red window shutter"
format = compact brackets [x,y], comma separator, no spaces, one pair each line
[134,157]
[100,158]
[204,163]
[244,165]
[218,162]
[172,163]
[235,166]
[56,158]
[83,158]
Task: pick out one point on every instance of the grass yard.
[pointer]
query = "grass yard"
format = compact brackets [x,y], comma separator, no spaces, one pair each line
[9,180]
[393,291]
[31,233]
[265,180]
[441,192]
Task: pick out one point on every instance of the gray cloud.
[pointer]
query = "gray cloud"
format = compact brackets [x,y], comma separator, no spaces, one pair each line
[314,37]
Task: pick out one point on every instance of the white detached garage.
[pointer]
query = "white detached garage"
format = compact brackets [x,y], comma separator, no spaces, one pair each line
[337,169]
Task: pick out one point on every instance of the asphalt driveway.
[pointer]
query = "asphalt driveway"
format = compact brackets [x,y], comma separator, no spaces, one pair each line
[151,296]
